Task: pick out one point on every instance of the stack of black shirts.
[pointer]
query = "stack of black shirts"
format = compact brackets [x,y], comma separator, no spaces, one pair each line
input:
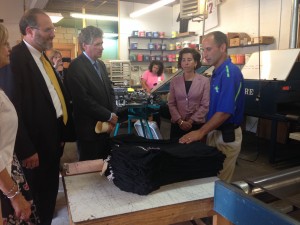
[141,165]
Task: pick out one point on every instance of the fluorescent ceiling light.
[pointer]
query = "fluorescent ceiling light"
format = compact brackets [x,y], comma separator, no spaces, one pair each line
[55,17]
[150,8]
[93,17]
[110,35]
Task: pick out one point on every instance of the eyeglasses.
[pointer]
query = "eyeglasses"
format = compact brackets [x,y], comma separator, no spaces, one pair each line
[48,30]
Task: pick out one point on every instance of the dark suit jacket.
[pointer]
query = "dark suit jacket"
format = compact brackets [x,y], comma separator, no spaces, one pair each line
[6,81]
[38,130]
[93,98]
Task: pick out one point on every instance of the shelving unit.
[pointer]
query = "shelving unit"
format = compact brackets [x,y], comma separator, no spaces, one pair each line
[120,72]
[244,46]
[138,67]
[143,43]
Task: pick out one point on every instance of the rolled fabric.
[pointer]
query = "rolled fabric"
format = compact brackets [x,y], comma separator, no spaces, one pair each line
[101,127]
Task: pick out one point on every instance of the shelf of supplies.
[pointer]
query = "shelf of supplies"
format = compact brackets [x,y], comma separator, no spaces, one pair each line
[149,61]
[140,45]
[164,38]
[152,50]
[244,46]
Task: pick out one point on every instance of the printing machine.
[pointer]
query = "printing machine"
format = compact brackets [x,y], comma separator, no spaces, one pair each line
[276,92]
[272,88]
[271,199]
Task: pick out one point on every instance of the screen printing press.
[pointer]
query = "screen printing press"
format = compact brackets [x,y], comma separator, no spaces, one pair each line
[272,199]
[272,88]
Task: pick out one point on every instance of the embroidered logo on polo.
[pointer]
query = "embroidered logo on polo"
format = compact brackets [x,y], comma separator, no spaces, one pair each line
[227,71]
[217,89]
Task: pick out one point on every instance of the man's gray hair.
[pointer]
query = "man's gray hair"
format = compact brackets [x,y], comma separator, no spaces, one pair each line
[88,35]
[29,19]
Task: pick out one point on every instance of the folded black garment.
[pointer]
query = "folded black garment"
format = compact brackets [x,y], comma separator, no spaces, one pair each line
[140,165]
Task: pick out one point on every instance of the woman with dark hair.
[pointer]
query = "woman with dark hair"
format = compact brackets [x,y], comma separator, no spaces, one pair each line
[189,95]
[153,75]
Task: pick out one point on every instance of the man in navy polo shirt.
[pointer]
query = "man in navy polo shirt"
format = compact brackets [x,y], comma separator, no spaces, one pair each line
[226,109]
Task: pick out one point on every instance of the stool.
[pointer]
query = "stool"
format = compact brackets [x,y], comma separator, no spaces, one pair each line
[136,112]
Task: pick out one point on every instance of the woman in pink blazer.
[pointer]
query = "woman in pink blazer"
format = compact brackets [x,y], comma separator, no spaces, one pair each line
[189,95]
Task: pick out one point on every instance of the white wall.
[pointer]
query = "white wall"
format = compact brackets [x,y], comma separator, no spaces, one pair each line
[159,20]
[242,16]
[11,11]
[234,16]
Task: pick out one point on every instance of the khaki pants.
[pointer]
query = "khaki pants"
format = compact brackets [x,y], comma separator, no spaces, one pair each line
[231,150]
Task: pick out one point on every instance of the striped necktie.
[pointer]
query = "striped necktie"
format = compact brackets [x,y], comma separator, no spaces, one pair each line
[54,81]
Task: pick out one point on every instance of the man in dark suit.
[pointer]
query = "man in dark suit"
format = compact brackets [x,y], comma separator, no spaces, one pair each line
[92,94]
[43,111]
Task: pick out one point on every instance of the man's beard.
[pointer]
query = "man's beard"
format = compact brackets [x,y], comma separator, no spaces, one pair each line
[44,44]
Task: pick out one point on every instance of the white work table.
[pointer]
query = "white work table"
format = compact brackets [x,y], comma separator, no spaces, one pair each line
[92,199]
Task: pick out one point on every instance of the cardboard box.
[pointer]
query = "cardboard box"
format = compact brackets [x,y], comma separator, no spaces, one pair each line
[234,42]
[186,34]
[262,40]
[243,39]
[231,35]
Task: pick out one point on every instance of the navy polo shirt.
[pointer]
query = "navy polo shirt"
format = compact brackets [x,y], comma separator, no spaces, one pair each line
[227,92]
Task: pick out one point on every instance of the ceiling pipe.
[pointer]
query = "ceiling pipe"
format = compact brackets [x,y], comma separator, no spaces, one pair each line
[294,24]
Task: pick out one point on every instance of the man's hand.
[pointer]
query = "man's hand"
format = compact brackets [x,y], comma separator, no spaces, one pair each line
[31,162]
[58,63]
[114,119]
[111,127]
[190,137]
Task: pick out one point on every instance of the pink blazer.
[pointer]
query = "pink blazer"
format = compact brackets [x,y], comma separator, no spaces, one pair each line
[193,105]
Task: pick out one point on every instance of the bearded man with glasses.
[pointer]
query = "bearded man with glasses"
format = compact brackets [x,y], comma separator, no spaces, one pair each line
[43,109]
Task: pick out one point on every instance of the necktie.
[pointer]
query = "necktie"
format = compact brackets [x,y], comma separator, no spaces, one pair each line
[97,69]
[56,86]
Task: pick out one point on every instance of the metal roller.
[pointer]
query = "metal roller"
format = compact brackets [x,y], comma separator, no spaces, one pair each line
[278,179]
[284,185]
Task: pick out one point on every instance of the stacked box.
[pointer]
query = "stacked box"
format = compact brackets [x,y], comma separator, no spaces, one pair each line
[262,40]
[234,42]
[237,39]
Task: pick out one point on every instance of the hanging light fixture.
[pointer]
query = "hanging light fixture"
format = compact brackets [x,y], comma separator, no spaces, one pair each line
[150,8]
[110,35]
[55,17]
[93,17]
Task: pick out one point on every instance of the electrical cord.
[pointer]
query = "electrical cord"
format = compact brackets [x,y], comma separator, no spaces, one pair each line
[257,144]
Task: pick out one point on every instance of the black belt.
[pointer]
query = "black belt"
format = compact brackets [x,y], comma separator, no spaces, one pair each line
[228,126]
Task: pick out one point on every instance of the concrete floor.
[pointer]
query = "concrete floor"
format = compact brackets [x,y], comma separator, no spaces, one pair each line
[253,161]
